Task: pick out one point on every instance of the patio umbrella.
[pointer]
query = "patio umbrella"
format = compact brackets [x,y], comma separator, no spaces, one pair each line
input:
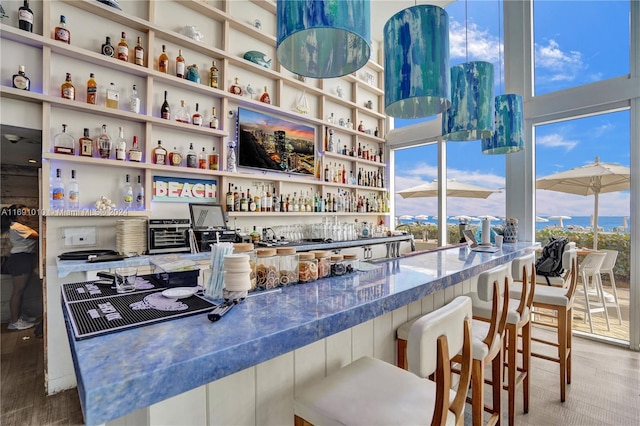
[454,189]
[422,217]
[559,219]
[592,179]
[541,219]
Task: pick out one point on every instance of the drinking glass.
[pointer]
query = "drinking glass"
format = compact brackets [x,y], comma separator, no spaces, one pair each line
[126,279]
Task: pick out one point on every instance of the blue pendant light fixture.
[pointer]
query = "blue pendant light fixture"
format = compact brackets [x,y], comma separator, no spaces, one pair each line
[471,114]
[509,129]
[323,39]
[417,80]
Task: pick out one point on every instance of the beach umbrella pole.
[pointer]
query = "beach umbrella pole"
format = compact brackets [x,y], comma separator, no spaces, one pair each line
[595,222]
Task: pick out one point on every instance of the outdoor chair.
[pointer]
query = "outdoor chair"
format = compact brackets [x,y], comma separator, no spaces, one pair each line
[607,268]
[592,288]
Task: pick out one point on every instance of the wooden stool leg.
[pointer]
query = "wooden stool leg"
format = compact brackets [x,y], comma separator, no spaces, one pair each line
[562,350]
[512,336]
[526,364]
[401,353]
[569,343]
[477,392]
[498,380]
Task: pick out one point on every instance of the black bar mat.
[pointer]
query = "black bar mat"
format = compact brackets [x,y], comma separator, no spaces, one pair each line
[86,290]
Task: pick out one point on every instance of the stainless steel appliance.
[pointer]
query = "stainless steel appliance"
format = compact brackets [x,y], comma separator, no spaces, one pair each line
[168,235]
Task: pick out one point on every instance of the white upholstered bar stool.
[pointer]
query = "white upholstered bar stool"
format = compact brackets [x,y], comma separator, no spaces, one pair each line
[369,391]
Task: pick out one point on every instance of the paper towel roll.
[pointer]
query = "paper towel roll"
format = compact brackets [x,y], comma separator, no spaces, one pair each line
[486,232]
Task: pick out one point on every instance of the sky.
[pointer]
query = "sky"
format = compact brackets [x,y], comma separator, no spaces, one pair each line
[575,43]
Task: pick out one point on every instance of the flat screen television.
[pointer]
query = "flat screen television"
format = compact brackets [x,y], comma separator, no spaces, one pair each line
[271,143]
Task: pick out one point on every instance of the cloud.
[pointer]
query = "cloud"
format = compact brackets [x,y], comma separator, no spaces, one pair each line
[556,140]
[481,45]
[561,65]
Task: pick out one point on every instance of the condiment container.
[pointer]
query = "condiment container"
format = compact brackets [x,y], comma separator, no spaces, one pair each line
[288,265]
[267,269]
[351,262]
[247,248]
[338,266]
[324,265]
[307,267]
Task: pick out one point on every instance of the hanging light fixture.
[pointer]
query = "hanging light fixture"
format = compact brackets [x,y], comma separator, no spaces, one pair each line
[323,39]
[416,62]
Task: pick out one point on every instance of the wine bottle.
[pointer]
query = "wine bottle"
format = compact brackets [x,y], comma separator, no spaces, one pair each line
[123,48]
[163,61]
[61,33]
[92,90]
[139,53]
[73,192]
[180,66]
[25,17]
[20,80]
[165,111]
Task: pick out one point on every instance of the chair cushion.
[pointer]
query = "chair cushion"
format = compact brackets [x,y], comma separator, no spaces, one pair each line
[483,309]
[402,333]
[479,331]
[369,392]
[543,294]
[554,281]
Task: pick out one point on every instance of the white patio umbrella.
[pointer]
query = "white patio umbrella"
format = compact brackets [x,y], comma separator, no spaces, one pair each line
[592,179]
[454,189]
[541,219]
[422,217]
[559,219]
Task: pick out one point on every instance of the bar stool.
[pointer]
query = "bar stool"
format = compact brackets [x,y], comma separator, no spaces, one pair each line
[594,300]
[370,391]
[559,300]
[607,268]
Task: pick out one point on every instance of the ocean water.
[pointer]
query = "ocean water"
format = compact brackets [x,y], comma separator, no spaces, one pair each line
[607,223]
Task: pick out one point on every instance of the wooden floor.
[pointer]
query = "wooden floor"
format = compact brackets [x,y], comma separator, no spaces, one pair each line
[605,388]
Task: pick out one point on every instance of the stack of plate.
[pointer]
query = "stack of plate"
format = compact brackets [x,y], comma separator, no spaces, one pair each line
[237,272]
[131,236]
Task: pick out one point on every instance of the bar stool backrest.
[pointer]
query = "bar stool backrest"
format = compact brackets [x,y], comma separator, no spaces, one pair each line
[609,260]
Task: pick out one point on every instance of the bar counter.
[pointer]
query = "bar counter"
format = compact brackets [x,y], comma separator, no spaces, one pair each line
[122,372]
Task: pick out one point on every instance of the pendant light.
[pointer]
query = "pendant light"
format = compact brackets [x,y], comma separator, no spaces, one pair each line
[416,62]
[323,39]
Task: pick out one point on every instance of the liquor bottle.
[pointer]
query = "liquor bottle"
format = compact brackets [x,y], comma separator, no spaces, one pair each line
[139,53]
[63,143]
[92,90]
[196,118]
[331,119]
[213,75]
[192,73]
[113,96]
[180,67]
[229,199]
[159,154]
[255,235]
[236,199]
[203,161]
[61,33]
[127,193]
[56,200]
[376,132]
[134,100]
[25,17]
[361,127]
[104,143]
[67,90]
[123,48]
[73,192]
[175,157]
[244,205]
[20,80]
[138,192]
[235,88]
[121,145]
[214,159]
[181,115]
[86,144]
[192,157]
[165,111]
[326,173]
[213,123]
[107,48]
[250,201]
[265,98]
[134,153]
[163,61]
[330,145]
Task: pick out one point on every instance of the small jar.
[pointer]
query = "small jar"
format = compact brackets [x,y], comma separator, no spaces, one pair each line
[338,266]
[288,265]
[247,248]
[351,263]
[267,269]
[324,263]
[307,268]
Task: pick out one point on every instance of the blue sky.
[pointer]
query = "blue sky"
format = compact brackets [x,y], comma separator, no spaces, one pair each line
[576,43]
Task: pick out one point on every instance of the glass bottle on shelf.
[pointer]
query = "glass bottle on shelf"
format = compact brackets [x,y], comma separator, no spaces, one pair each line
[165,110]
[104,143]
[134,100]
[113,96]
[213,75]
[331,119]
[213,123]
[127,193]
[163,61]
[180,67]
[121,145]
[231,157]
[376,132]
[92,90]
[139,53]
[349,124]
[56,200]
[123,48]
[214,159]
[67,90]
[86,144]
[20,80]
[181,115]
[25,17]
[159,154]
[63,142]
[203,161]
[196,119]
[193,74]
[107,48]
[361,127]
[135,154]
[175,157]
[235,88]
[265,98]
[192,157]
[330,144]
[73,192]
[139,194]
[61,33]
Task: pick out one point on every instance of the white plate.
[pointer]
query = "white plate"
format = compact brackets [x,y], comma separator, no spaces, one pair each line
[179,292]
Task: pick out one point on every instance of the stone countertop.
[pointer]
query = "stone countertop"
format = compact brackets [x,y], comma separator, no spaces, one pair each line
[121,372]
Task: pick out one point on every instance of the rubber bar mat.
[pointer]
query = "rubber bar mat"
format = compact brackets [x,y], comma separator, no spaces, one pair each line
[86,290]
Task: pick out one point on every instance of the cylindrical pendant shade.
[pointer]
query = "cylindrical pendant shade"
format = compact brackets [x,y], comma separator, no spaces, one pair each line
[323,39]
[416,61]
[471,114]
[509,129]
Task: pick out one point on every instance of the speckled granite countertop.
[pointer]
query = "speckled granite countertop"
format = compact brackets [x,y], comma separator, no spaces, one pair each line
[159,361]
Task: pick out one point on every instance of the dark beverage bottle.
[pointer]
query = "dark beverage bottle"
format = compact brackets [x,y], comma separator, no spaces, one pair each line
[165,111]
[25,17]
